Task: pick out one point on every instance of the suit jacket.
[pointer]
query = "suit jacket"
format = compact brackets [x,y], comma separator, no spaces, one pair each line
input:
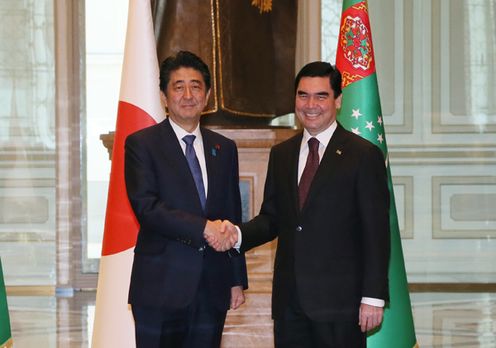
[336,249]
[170,255]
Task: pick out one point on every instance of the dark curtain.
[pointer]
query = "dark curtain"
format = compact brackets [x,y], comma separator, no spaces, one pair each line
[251,55]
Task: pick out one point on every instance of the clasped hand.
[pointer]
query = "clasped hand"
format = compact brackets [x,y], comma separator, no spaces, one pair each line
[220,235]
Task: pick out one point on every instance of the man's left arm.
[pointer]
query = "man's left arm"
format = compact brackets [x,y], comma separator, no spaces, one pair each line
[374,215]
[238,262]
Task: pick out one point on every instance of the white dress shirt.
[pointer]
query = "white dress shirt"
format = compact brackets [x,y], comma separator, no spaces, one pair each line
[323,138]
[197,145]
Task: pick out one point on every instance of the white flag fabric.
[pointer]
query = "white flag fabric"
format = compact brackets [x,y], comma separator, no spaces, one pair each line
[139,107]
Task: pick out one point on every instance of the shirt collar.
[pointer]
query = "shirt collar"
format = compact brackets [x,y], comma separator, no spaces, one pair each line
[181,133]
[323,137]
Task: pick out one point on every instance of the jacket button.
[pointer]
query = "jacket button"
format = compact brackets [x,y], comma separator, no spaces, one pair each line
[299,229]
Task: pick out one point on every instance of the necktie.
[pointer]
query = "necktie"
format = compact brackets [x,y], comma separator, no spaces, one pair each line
[194,166]
[309,171]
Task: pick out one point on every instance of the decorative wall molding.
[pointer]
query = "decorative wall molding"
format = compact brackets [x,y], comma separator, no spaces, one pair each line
[404,194]
[450,194]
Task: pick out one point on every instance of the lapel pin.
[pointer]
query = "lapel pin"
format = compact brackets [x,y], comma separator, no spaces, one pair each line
[339,152]
[215,149]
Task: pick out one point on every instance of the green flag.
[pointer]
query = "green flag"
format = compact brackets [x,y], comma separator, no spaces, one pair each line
[5,335]
[361,113]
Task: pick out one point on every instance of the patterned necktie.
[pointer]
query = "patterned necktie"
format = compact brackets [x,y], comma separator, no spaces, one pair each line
[194,166]
[309,171]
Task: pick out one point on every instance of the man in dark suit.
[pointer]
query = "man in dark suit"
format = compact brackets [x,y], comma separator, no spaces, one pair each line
[326,199]
[181,180]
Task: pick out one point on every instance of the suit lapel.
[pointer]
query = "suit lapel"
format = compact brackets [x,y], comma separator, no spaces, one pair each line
[212,164]
[175,159]
[329,164]
[171,148]
[294,156]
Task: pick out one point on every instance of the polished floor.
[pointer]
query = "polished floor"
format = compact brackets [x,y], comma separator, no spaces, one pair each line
[441,320]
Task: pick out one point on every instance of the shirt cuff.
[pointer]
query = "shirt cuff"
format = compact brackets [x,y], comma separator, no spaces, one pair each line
[238,243]
[376,302]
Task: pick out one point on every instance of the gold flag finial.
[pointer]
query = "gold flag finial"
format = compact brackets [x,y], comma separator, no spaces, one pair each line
[263,5]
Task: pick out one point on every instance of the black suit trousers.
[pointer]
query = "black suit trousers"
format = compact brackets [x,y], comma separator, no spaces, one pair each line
[296,330]
[198,325]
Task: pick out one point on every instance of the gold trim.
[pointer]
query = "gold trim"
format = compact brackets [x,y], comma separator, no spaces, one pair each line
[26,183]
[361,7]
[452,287]
[221,93]
[30,291]
[245,113]
[214,61]
[263,5]
[217,49]
[26,236]
[416,345]
[8,344]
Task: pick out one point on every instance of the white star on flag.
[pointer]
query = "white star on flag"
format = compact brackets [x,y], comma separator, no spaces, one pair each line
[356,113]
[379,120]
[369,126]
[380,138]
[356,131]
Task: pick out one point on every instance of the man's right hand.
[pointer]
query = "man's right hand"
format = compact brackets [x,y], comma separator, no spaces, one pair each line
[221,236]
[232,232]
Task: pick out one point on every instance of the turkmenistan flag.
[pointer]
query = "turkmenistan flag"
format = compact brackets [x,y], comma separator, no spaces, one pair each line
[5,335]
[361,113]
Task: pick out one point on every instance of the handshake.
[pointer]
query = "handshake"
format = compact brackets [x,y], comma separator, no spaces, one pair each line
[220,235]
